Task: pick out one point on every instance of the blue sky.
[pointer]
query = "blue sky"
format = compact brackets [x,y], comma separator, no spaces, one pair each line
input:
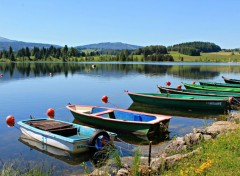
[139,22]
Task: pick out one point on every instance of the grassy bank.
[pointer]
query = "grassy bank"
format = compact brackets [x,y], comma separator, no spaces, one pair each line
[207,57]
[217,157]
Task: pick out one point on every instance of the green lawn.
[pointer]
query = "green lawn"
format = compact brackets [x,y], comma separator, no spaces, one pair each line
[207,57]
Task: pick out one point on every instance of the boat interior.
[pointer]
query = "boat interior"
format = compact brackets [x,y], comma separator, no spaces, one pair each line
[115,114]
[60,128]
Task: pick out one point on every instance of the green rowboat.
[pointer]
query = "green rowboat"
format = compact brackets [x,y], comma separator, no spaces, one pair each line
[231,81]
[212,88]
[116,119]
[218,84]
[198,92]
[214,103]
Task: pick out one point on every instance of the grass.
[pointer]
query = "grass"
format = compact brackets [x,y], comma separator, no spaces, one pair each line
[208,57]
[217,157]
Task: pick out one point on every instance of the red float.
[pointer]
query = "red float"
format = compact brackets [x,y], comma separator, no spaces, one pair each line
[10,120]
[105,99]
[179,86]
[50,113]
[168,83]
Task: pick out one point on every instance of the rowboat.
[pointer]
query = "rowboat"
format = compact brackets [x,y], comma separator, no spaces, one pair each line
[231,81]
[67,136]
[215,103]
[218,84]
[116,119]
[198,92]
[212,88]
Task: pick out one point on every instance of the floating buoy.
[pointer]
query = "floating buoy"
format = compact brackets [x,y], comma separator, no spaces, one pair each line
[179,86]
[105,99]
[168,83]
[50,113]
[10,121]
[193,82]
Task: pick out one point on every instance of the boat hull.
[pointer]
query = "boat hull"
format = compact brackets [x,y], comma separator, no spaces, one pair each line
[199,92]
[219,84]
[216,105]
[212,88]
[66,136]
[75,147]
[231,81]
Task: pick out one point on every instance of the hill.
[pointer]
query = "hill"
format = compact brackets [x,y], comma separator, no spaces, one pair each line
[109,45]
[16,45]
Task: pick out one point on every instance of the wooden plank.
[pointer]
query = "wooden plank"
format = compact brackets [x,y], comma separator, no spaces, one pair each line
[48,125]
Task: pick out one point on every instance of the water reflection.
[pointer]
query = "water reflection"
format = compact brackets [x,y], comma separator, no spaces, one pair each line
[181,112]
[113,69]
[67,157]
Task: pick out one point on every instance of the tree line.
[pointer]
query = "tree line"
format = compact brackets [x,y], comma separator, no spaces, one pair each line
[195,48]
[149,53]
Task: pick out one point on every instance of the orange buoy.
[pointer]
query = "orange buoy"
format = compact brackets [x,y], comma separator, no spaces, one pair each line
[50,113]
[179,86]
[193,82]
[168,83]
[10,121]
[105,99]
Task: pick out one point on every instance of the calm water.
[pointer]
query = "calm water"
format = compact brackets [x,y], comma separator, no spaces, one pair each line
[30,89]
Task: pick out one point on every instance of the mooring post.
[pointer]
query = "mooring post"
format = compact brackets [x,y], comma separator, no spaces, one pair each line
[149,154]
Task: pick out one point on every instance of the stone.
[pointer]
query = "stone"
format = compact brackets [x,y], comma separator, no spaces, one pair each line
[176,145]
[123,172]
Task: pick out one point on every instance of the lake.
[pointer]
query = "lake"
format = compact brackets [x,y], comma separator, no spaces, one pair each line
[31,88]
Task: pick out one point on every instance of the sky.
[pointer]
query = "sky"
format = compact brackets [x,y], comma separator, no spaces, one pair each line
[138,22]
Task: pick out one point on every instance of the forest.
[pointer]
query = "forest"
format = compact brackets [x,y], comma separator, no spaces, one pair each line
[149,53]
[69,54]
[195,48]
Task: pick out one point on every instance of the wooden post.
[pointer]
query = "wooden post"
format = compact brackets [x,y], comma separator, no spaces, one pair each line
[149,154]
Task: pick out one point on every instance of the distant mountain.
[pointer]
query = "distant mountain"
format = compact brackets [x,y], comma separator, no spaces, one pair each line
[109,45]
[16,45]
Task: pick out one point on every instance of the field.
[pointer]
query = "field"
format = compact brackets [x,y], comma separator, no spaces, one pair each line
[207,57]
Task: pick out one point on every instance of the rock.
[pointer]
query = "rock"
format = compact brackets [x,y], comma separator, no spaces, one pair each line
[176,145]
[192,138]
[207,137]
[123,172]
[219,127]
[157,163]
[172,160]
[98,172]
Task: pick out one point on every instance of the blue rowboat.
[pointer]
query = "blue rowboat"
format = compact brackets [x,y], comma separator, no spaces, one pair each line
[67,136]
